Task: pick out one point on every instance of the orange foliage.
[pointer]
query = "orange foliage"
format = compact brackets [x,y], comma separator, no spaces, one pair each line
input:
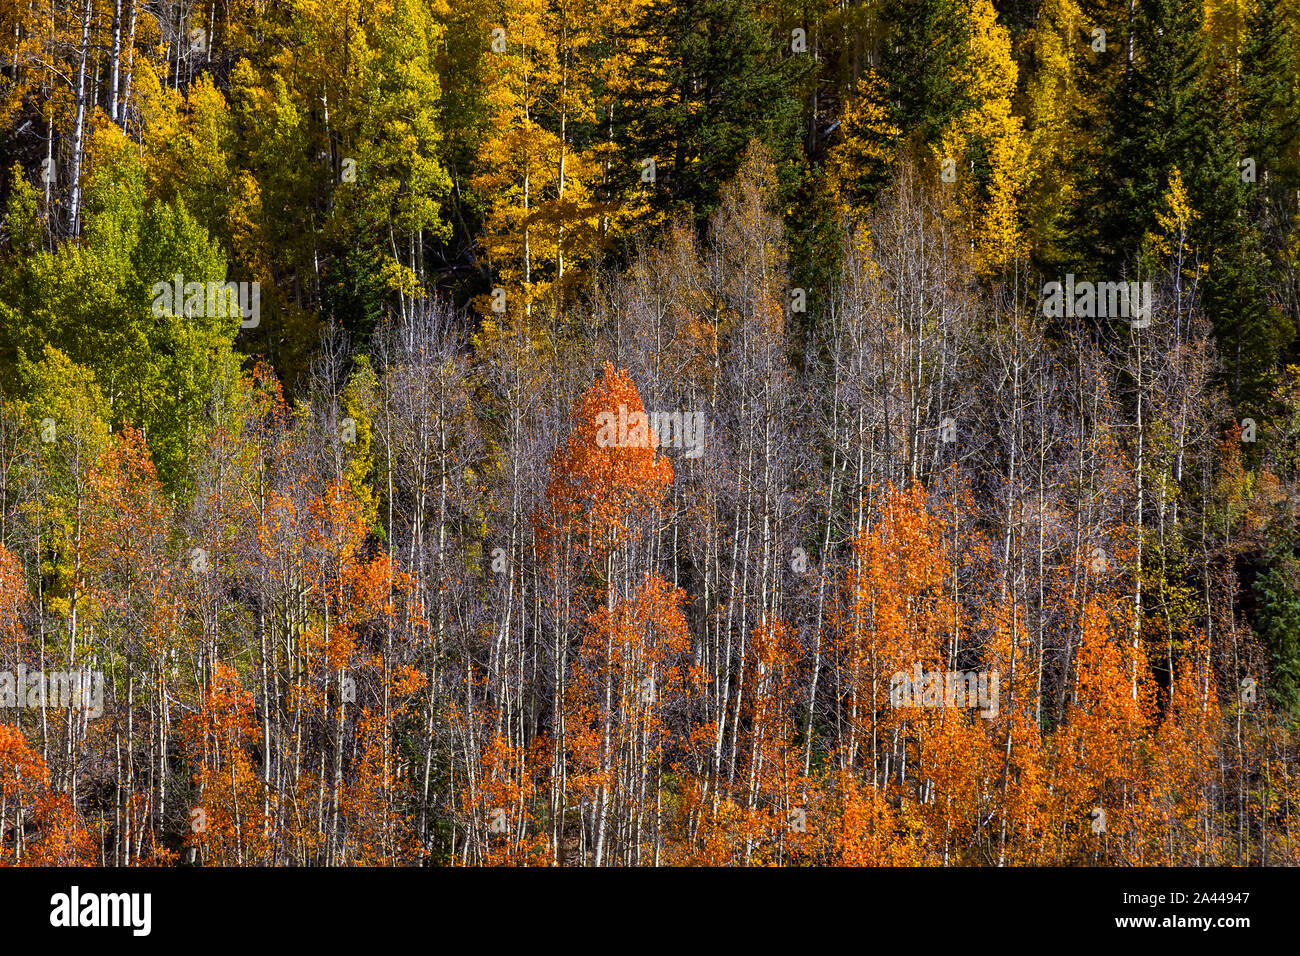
[608,477]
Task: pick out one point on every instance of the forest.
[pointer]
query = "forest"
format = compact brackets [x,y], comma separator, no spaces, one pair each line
[662,433]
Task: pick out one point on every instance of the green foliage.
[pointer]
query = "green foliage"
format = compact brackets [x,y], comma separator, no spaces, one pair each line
[1278,593]
[718,80]
[93,302]
[927,53]
[1152,118]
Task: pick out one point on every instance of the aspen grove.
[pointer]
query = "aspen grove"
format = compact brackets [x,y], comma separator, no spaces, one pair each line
[694,432]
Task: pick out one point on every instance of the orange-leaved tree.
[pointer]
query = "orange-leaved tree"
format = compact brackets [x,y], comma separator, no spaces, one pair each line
[58,837]
[630,670]
[607,481]
[229,823]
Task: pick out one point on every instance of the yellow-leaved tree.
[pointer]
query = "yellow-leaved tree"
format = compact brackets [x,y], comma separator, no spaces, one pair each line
[988,146]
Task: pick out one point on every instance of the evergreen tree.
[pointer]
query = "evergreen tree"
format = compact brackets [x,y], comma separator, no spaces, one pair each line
[718,81]
[1278,592]
[925,58]
[1151,120]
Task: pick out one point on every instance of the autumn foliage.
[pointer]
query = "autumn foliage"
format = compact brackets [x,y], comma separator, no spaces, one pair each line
[656,441]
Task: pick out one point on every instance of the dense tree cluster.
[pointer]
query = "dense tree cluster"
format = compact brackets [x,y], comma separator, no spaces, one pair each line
[542,432]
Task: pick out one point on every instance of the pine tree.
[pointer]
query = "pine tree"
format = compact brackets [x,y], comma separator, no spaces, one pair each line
[925,61]
[714,81]
[1152,119]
